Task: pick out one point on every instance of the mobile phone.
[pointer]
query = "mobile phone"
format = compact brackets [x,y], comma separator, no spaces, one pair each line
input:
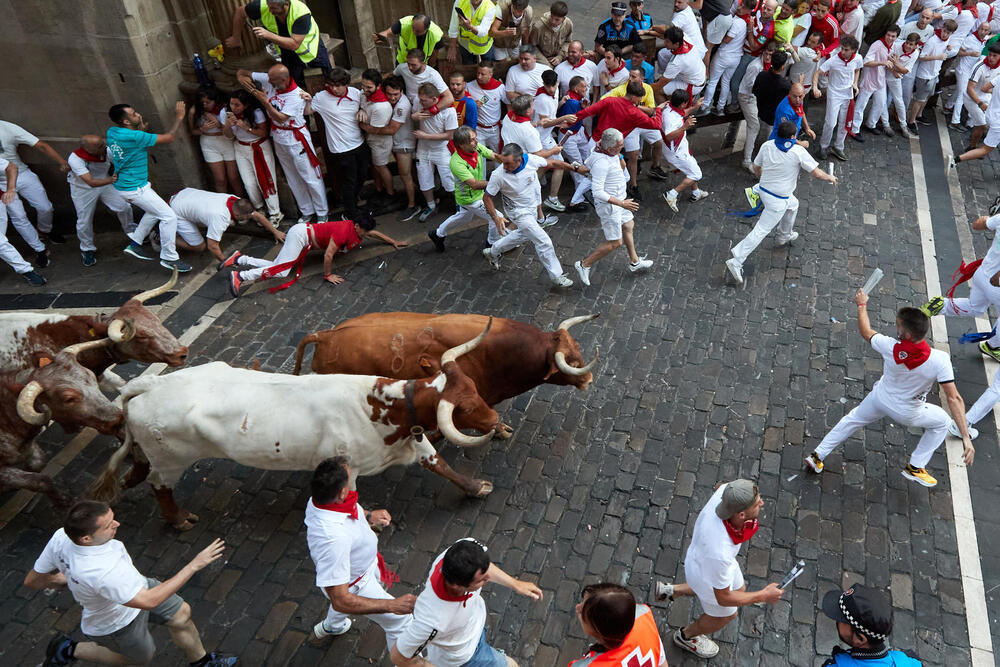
[249,24]
[460,13]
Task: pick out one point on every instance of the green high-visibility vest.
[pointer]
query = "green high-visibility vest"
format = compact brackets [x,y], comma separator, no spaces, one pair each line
[296,9]
[408,39]
[477,45]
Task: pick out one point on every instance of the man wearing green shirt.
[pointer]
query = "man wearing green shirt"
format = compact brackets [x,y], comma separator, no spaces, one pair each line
[468,166]
[784,23]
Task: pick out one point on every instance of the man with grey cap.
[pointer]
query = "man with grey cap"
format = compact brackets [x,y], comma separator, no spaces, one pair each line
[864,621]
[728,520]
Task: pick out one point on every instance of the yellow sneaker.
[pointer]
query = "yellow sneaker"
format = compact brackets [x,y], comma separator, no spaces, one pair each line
[919,475]
[814,462]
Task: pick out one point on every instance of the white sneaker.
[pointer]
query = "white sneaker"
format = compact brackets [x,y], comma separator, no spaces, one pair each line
[584,272]
[671,201]
[791,237]
[320,632]
[698,196]
[549,220]
[641,265]
[305,219]
[701,646]
[562,281]
[735,270]
[664,591]
[555,204]
[953,430]
[276,218]
[951,163]
[491,258]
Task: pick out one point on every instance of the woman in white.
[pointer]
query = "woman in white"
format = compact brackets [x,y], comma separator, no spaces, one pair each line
[244,122]
[205,121]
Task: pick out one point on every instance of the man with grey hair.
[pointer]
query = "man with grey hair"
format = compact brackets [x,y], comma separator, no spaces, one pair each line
[517,184]
[608,185]
[468,166]
[729,518]
[525,78]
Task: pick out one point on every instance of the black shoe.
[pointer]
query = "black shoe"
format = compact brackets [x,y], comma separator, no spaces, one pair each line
[912,127]
[858,138]
[659,173]
[925,121]
[438,241]
[55,237]
[42,258]
[56,653]
[632,192]
[582,207]
[34,279]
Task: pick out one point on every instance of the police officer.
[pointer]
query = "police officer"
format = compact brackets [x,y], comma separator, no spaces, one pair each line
[864,621]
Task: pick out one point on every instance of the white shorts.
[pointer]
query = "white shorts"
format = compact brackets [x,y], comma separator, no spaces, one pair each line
[425,174]
[639,136]
[685,162]
[977,116]
[381,148]
[189,232]
[547,142]
[993,136]
[706,596]
[489,136]
[612,219]
[217,148]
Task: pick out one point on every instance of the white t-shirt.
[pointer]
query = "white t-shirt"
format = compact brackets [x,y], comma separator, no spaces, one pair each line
[991,263]
[840,82]
[101,578]
[934,46]
[966,63]
[289,103]
[966,22]
[10,136]
[907,61]
[733,48]
[78,167]
[924,32]
[780,169]
[340,118]
[342,548]
[614,80]
[873,78]
[993,112]
[806,22]
[608,176]
[673,121]
[755,67]
[242,135]
[853,23]
[688,22]
[487,102]
[207,209]
[901,386]
[437,149]
[413,81]
[3,174]
[585,68]
[687,68]
[379,113]
[712,551]
[524,83]
[981,74]
[523,134]
[520,190]
[805,66]
[402,113]
[545,105]
[449,630]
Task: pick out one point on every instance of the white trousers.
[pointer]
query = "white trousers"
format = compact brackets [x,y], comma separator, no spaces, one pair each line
[748,105]
[895,97]
[958,95]
[304,180]
[984,404]
[85,200]
[981,296]
[9,253]
[929,417]
[244,162]
[577,149]
[30,188]
[19,219]
[371,587]
[528,229]
[296,240]
[157,211]
[909,79]
[836,117]
[467,213]
[778,213]
[878,110]
[720,73]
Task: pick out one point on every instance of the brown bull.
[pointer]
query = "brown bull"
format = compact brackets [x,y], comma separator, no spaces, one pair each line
[514,358]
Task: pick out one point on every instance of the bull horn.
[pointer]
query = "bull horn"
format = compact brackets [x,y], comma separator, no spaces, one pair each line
[89,345]
[566,324]
[149,294]
[26,405]
[121,331]
[449,431]
[572,370]
[455,352]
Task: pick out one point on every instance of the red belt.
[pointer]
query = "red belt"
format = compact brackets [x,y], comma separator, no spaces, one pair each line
[297,132]
[488,127]
[264,180]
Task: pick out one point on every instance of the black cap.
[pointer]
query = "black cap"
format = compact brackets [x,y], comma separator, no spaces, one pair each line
[619,8]
[866,610]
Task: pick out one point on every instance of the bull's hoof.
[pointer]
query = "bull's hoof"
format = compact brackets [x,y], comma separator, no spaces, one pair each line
[504,432]
[485,488]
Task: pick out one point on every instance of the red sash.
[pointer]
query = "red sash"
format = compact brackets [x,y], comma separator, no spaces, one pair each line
[264,179]
[350,508]
[962,274]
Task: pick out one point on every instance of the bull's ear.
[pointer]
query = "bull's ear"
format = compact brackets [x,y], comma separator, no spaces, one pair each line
[40,359]
[428,365]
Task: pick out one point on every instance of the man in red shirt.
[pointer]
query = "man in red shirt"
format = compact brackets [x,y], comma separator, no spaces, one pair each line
[621,113]
[333,237]
[824,23]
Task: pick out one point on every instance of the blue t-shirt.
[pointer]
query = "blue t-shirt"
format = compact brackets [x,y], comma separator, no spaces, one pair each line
[127,150]
[644,23]
[782,113]
[571,107]
[648,73]
[894,658]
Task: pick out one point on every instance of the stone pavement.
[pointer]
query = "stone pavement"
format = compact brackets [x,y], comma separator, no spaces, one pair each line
[699,382]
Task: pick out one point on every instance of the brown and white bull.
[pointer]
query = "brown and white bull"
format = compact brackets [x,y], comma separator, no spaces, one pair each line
[60,390]
[514,358]
[285,422]
[136,334]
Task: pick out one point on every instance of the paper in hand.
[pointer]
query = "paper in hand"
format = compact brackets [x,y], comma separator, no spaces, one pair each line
[873,280]
[794,574]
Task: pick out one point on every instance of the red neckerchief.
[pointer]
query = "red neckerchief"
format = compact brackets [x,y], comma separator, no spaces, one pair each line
[291,86]
[518,119]
[840,54]
[888,47]
[543,91]
[88,157]
[574,96]
[739,536]
[492,84]
[615,71]
[229,205]
[799,110]
[377,96]
[683,48]
[986,62]
[579,64]
[937,32]
[340,98]
[911,354]
[348,507]
[440,590]
[767,65]
[974,10]
[903,50]
[471,158]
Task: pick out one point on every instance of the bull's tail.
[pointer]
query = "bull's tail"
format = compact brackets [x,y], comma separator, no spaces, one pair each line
[107,487]
[306,340]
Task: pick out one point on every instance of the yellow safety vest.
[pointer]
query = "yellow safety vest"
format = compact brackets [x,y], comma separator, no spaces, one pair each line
[408,39]
[296,9]
[475,44]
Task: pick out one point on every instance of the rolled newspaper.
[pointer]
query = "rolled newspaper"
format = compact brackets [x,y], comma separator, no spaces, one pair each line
[872,281]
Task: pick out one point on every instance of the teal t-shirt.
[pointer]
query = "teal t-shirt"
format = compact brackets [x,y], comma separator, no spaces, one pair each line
[127,149]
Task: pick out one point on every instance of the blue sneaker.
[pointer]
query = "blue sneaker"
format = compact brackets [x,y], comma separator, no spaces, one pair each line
[89,257]
[136,251]
[219,660]
[34,279]
[427,213]
[182,267]
[58,651]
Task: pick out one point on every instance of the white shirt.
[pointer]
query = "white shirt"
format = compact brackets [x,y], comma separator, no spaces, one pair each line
[379,113]
[873,78]
[402,113]
[901,386]
[3,174]
[966,63]
[208,209]
[673,121]
[733,48]
[993,111]
[524,83]
[78,167]
[805,66]
[934,46]
[523,134]
[101,578]
[342,548]
[614,80]
[780,169]
[607,176]
[688,22]
[806,22]
[907,61]
[289,103]
[981,74]
[340,118]
[10,136]
[487,102]
[449,630]
[242,135]
[711,549]
[840,82]
[755,67]
[687,67]
[924,32]
[966,22]
[437,149]
[585,68]
[545,106]
[853,23]
[520,190]
[413,81]
[991,263]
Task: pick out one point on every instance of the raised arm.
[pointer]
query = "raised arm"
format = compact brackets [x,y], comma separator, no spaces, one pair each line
[239,18]
[151,598]
[864,326]
[179,110]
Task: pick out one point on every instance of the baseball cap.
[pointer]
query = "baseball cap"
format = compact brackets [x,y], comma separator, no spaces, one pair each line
[618,8]
[738,496]
[865,609]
